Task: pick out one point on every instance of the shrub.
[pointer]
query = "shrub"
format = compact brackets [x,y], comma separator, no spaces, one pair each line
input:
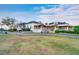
[63,31]
[12,30]
[27,29]
[3,31]
[76,29]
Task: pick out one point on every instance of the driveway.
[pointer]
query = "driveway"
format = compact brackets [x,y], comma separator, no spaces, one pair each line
[44,34]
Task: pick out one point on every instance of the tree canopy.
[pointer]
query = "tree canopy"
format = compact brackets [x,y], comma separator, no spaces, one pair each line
[8,21]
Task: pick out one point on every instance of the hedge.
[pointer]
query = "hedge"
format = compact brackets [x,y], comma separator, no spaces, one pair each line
[12,30]
[64,31]
[76,29]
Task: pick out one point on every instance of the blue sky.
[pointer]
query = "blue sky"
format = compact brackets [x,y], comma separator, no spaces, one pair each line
[23,7]
[41,12]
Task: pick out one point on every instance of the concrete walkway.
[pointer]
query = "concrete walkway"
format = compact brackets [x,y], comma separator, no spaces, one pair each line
[67,35]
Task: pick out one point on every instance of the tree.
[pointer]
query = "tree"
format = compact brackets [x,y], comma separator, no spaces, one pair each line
[8,21]
[76,29]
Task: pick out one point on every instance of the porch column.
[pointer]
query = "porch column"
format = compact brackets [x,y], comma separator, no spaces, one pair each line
[42,28]
[67,28]
[55,28]
[72,28]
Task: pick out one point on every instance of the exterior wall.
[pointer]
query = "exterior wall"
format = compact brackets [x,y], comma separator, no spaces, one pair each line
[19,28]
[0,25]
[71,28]
[64,28]
[51,28]
[28,25]
[38,30]
[31,25]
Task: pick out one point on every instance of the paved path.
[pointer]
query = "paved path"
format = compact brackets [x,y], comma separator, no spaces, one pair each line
[44,34]
[61,34]
[67,35]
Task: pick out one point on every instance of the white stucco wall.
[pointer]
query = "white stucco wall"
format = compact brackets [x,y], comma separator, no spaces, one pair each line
[31,26]
[4,27]
[36,30]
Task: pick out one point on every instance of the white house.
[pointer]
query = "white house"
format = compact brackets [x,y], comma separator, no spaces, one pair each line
[51,27]
[30,25]
[40,27]
[5,27]
[62,26]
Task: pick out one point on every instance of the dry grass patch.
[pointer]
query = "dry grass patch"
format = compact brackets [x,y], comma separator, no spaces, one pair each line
[38,45]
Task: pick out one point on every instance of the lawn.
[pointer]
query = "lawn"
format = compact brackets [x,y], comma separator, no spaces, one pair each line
[38,45]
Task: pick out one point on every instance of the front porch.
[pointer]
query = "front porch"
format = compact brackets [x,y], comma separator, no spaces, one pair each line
[44,28]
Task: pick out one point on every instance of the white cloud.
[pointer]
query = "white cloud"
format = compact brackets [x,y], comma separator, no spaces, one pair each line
[62,10]
[73,10]
[67,13]
[52,10]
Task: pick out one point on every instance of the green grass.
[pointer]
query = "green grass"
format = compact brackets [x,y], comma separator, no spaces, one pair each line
[38,45]
[5,36]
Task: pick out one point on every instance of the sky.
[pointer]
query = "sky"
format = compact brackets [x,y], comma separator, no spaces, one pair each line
[41,12]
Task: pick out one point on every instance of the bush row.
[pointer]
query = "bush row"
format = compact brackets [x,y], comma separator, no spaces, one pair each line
[76,29]
[12,30]
[65,31]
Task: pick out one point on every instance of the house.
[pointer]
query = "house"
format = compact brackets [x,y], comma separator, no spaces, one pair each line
[7,27]
[21,26]
[53,26]
[40,27]
[29,25]
[4,26]
[62,26]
